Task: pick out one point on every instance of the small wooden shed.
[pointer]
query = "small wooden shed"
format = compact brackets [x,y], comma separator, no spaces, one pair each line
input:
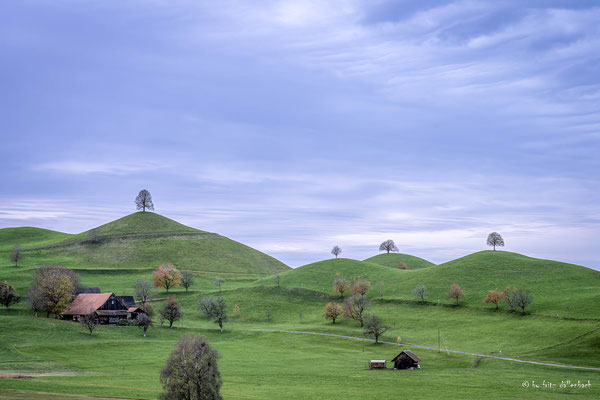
[377,364]
[406,360]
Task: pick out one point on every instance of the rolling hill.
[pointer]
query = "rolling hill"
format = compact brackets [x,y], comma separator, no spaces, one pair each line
[393,259]
[142,241]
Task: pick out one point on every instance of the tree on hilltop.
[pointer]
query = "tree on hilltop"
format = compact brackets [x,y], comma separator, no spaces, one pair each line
[144,200]
[388,246]
[336,251]
[494,239]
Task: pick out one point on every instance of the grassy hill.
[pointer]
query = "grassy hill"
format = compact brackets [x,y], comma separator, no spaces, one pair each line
[558,288]
[393,259]
[143,241]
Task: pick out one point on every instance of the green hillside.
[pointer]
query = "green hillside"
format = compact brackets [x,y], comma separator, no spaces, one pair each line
[393,259]
[144,241]
[28,237]
[558,288]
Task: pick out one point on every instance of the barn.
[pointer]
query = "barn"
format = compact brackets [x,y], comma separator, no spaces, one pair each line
[406,360]
[107,308]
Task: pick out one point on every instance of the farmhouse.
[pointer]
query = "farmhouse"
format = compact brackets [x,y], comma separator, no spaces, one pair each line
[406,360]
[107,308]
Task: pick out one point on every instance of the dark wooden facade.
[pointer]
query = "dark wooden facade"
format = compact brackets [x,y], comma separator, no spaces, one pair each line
[406,360]
[106,307]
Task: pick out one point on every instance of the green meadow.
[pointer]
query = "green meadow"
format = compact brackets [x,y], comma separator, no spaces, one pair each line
[59,359]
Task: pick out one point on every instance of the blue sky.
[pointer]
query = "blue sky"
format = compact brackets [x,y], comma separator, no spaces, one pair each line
[295,126]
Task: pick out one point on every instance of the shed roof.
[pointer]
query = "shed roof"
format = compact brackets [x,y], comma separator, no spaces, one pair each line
[409,354]
[87,303]
[378,361]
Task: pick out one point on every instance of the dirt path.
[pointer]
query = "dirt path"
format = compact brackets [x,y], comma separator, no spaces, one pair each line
[431,348]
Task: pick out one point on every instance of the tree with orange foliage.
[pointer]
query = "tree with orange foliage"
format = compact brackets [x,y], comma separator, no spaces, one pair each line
[332,311]
[340,285]
[166,276]
[495,297]
[455,293]
[361,286]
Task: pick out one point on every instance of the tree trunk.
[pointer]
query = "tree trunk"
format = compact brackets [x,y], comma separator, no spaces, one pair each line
[170,324]
[221,326]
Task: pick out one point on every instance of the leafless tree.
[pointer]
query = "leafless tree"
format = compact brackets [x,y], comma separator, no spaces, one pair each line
[336,251]
[510,295]
[93,236]
[187,279]
[8,295]
[15,254]
[214,309]
[523,299]
[374,326]
[36,300]
[144,290]
[380,286]
[419,292]
[455,293]
[191,371]
[340,285]
[171,311]
[494,239]
[355,306]
[219,282]
[90,322]
[388,246]
[277,279]
[144,322]
[144,200]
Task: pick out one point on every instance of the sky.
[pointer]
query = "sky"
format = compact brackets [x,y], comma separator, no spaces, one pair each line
[294,126]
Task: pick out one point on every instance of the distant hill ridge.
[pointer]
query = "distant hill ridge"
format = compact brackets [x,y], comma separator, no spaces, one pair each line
[141,240]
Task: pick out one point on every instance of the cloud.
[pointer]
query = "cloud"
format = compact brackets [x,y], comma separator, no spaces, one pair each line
[106,167]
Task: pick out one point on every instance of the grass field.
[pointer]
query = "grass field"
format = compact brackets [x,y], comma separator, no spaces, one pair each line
[58,358]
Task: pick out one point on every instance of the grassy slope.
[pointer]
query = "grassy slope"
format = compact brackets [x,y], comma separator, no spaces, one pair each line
[558,288]
[393,259]
[146,240]
[28,237]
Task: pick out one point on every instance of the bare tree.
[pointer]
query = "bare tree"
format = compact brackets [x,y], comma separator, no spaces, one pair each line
[143,290]
[455,293]
[419,292]
[494,239]
[144,200]
[332,311]
[90,322]
[144,322]
[510,295]
[388,246]
[355,306]
[191,371]
[187,280]
[336,251]
[93,236]
[36,300]
[340,285]
[523,299]
[8,295]
[171,311]
[219,282]
[374,326]
[15,254]
[380,286]
[277,279]
[214,309]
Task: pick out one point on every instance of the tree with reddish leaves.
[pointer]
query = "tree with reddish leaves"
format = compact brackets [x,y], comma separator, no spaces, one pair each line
[494,297]
[166,276]
[455,293]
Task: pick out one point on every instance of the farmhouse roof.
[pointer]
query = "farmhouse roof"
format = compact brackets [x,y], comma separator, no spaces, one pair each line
[134,309]
[409,354]
[127,301]
[87,303]
[87,289]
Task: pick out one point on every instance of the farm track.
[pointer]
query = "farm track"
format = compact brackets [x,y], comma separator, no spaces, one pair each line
[431,348]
